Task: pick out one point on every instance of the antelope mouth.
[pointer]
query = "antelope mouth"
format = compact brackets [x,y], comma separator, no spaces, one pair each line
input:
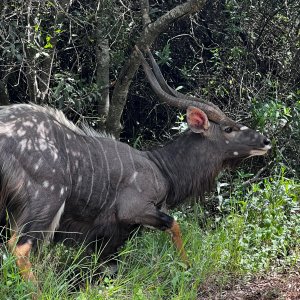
[260,151]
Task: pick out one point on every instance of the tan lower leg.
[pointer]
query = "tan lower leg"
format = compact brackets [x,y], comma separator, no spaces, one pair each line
[22,252]
[12,242]
[177,240]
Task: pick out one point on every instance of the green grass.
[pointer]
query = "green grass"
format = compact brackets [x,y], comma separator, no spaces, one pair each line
[257,229]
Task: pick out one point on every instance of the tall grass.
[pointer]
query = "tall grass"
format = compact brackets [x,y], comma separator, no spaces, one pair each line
[257,230]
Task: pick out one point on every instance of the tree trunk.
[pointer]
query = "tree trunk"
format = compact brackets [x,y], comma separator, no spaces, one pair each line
[102,60]
[4,99]
[102,56]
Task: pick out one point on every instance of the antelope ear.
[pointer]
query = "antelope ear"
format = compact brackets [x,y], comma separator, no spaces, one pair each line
[197,119]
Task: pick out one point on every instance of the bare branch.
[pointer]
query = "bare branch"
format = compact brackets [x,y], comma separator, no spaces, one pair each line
[162,23]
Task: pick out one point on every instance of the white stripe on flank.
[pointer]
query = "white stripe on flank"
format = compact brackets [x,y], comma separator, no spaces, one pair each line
[108,175]
[135,172]
[55,222]
[93,172]
[68,157]
[121,174]
[154,174]
[155,177]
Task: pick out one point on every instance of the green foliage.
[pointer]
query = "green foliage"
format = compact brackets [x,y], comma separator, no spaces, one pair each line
[48,42]
[271,230]
[69,92]
[11,280]
[164,55]
[271,116]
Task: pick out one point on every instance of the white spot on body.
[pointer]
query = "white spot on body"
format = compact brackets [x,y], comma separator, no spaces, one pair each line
[79,178]
[52,188]
[227,142]
[41,129]
[29,145]
[235,153]
[38,164]
[75,154]
[42,144]
[133,177]
[7,129]
[28,124]
[23,144]
[45,183]
[54,155]
[21,132]
[62,191]
[244,128]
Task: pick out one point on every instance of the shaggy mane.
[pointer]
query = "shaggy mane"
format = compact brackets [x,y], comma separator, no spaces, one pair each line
[58,116]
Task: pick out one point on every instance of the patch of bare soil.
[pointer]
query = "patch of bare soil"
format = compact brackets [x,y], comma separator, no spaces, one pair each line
[284,286]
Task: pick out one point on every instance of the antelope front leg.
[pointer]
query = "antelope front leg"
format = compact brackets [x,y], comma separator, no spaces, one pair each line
[138,211]
[175,232]
[22,252]
[153,217]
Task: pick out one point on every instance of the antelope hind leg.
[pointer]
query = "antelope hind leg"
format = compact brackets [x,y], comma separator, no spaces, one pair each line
[22,252]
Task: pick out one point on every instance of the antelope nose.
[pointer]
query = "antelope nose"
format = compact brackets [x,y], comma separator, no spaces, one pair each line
[267,142]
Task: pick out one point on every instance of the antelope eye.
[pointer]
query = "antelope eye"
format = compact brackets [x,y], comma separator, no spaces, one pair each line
[228,129]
